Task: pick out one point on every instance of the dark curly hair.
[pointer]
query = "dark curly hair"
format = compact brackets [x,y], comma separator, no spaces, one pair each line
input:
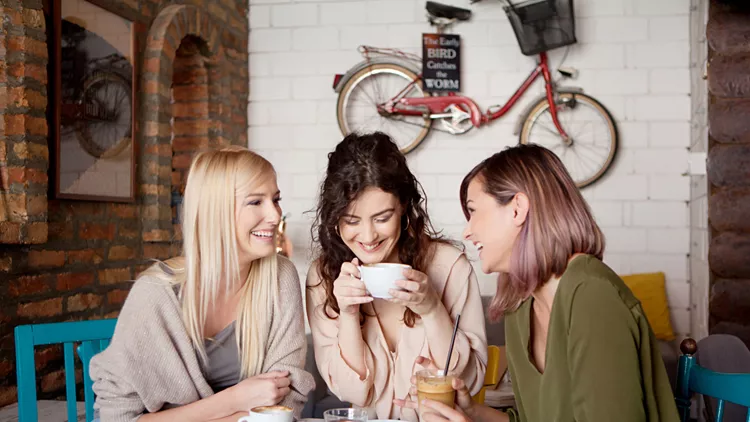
[360,162]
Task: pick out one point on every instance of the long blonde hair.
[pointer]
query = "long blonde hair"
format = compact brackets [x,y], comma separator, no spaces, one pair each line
[209,261]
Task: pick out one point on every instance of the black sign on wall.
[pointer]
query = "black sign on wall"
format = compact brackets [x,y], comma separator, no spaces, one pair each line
[441,62]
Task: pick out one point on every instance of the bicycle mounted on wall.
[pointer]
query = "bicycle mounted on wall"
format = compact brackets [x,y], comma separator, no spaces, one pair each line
[98,111]
[384,92]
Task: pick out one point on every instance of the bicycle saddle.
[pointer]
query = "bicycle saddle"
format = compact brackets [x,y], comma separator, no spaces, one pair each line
[440,10]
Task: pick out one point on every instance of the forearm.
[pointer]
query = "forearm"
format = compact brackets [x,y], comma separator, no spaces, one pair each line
[438,336]
[482,413]
[217,406]
[352,344]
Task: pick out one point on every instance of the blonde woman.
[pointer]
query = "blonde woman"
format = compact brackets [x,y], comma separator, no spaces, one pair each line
[204,336]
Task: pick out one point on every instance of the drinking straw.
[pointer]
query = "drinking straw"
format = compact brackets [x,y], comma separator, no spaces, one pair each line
[453,340]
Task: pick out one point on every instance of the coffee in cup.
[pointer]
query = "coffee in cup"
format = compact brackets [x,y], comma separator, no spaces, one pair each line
[269,414]
[380,278]
[435,387]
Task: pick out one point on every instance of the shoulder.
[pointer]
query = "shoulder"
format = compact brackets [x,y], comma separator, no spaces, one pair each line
[588,283]
[313,274]
[288,275]
[153,299]
[286,267]
[445,254]
[447,259]
[153,287]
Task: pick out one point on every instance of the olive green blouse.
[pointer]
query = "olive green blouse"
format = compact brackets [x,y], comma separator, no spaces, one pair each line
[602,360]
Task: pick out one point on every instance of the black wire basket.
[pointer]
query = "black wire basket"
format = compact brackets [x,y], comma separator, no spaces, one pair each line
[542,25]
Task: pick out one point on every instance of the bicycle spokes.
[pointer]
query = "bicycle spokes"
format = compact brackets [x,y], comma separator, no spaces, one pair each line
[589,148]
[370,103]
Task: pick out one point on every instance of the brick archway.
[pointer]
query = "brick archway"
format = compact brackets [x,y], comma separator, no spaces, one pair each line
[173,24]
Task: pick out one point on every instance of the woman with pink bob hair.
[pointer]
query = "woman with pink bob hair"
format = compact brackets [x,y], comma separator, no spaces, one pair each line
[578,343]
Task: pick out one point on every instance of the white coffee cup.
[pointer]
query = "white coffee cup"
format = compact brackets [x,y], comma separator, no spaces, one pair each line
[269,414]
[379,278]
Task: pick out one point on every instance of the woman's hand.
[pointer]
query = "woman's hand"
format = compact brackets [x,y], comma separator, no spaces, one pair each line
[434,411]
[261,390]
[349,290]
[418,295]
[463,397]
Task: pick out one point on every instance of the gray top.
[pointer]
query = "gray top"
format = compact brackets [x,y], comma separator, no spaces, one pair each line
[148,365]
[223,369]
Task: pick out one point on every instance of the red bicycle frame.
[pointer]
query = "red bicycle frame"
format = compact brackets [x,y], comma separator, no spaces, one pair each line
[438,104]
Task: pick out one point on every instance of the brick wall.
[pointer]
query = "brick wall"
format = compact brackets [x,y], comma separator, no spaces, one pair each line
[70,260]
[728,180]
[633,55]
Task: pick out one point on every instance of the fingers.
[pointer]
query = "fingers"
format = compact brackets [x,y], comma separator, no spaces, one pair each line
[426,363]
[350,291]
[282,382]
[347,289]
[283,392]
[423,361]
[443,410]
[355,300]
[463,397]
[433,417]
[350,268]
[409,285]
[412,274]
[460,386]
[402,297]
[408,404]
[273,374]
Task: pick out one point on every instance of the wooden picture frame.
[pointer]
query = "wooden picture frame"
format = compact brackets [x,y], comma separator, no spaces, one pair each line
[93,97]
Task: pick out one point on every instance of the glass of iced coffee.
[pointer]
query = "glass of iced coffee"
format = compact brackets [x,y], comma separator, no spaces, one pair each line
[437,387]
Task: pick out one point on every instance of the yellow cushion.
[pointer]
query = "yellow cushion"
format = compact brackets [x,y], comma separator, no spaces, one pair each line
[651,291]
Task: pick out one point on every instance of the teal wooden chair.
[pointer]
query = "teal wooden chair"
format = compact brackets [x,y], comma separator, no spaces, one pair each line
[93,336]
[693,378]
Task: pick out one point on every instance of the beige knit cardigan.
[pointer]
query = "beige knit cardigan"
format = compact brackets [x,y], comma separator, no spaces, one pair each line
[151,363]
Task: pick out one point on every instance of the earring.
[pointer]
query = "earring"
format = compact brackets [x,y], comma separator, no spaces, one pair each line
[336,229]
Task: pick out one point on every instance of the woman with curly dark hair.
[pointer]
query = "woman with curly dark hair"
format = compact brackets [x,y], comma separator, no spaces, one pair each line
[372,210]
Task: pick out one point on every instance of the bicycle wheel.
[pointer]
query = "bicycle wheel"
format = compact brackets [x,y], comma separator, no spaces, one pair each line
[106,128]
[357,108]
[592,131]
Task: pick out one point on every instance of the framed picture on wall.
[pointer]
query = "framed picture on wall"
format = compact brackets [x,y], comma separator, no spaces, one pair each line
[93,78]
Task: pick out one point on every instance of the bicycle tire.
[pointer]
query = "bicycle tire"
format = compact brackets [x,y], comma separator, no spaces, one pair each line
[368,72]
[85,139]
[542,105]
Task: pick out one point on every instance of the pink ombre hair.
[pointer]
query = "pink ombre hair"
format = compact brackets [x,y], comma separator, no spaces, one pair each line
[559,223]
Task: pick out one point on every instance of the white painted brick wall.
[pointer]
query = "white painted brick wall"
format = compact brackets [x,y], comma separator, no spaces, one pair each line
[633,55]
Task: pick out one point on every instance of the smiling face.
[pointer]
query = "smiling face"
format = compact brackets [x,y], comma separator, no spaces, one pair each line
[492,227]
[371,226]
[257,215]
